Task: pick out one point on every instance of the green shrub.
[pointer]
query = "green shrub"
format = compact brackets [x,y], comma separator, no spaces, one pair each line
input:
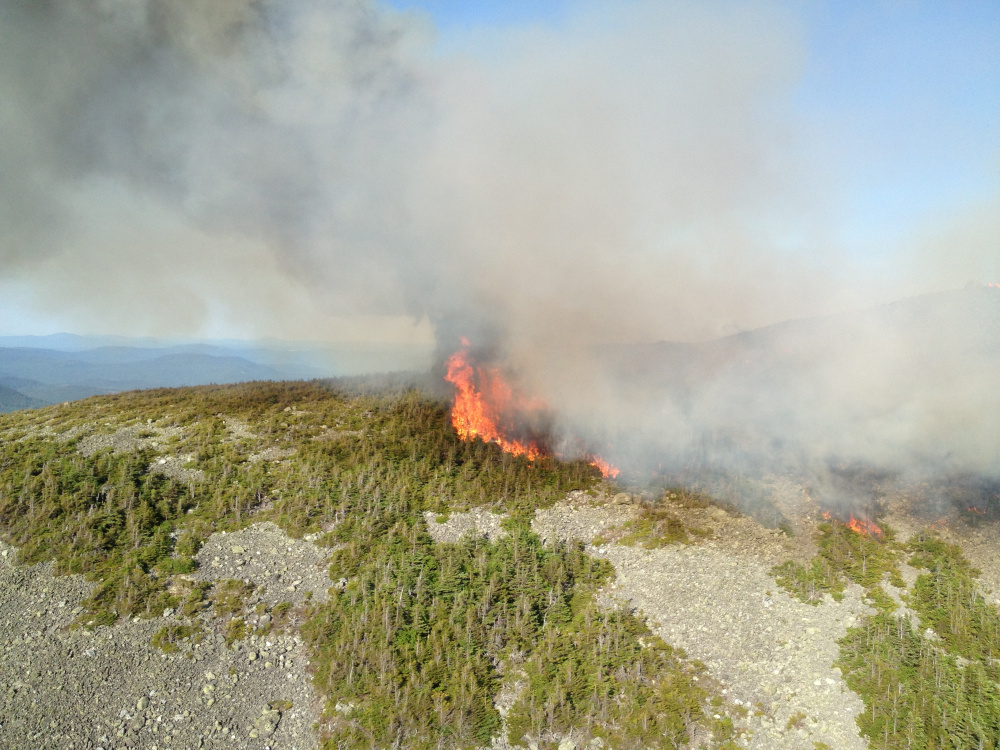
[168,637]
[417,638]
[929,693]
[229,596]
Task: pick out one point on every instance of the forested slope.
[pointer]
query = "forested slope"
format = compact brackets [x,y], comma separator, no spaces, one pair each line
[417,639]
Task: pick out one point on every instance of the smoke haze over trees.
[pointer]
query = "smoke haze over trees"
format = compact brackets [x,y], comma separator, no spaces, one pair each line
[641,172]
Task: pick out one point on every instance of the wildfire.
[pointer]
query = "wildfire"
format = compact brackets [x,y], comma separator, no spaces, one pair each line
[606,469]
[485,406]
[483,412]
[858,525]
[864,527]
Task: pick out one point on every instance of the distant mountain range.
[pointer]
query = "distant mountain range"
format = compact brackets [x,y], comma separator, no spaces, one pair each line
[12,400]
[40,370]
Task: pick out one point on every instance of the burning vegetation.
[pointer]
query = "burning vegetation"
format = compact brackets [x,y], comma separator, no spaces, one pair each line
[859,525]
[487,407]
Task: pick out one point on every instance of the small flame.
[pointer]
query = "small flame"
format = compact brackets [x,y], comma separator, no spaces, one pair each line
[976,511]
[485,404]
[864,527]
[607,470]
[861,525]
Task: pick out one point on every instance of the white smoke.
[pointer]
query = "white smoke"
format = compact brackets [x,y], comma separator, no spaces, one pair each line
[638,174]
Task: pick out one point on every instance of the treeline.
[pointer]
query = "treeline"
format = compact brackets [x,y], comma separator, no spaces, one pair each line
[933,686]
[415,648]
[930,690]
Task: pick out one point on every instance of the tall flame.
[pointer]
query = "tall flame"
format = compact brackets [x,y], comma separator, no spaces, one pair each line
[481,412]
[485,405]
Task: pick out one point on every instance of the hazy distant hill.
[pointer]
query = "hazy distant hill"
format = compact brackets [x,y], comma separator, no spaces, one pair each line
[65,367]
[11,400]
[116,370]
[50,394]
[965,321]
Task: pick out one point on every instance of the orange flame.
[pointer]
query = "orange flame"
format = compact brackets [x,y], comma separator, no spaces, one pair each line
[858,525]
[484,404]
[976,511]
[479,413]
[864,527]
[606,469]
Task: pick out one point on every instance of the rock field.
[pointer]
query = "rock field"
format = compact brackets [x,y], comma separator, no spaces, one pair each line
[716,600]
[287,569]
[773,656]
[476,521]
[773,653]
[72,689]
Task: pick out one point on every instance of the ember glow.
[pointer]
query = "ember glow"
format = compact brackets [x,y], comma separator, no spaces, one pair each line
[858,525]
[487,407]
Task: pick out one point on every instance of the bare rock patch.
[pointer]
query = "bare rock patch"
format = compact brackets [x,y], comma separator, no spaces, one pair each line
[129,439]
[479,521]
[263,555]
[774,654]
[74,688]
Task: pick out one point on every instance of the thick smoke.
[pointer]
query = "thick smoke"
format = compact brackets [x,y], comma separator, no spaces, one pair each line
[635,176]
[593,182]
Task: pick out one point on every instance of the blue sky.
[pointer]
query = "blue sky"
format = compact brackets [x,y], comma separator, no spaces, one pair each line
[912,93]
[906,95]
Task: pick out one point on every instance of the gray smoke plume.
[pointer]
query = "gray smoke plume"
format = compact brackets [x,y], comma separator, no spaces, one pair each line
[635,176]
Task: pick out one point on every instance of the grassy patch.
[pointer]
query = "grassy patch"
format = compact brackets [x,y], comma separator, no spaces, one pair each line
[655,527]
[229,596]
[810,583]
[236,630]
[844,555]
[168,638]
[861,558]
[658,525]
[796,721]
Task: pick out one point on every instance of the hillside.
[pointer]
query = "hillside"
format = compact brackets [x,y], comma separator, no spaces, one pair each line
[231,565]
[64,367]
[12,400]
[127,369]
[884,386]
